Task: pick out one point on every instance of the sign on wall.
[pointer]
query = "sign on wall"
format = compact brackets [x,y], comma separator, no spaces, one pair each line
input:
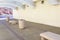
[4,12]
[53,2]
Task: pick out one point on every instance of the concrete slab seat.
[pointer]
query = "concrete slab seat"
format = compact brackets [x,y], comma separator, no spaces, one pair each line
[12,21]
[49,36]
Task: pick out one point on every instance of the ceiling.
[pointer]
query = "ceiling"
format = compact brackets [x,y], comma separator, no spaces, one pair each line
[15,3]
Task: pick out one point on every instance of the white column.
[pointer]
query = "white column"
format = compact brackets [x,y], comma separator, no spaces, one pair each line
[21,21]
[17,14]
[21,24]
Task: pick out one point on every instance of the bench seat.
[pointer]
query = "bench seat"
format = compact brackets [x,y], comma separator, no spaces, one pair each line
[50,36]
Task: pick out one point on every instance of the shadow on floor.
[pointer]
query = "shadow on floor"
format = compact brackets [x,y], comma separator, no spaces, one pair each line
[32,30]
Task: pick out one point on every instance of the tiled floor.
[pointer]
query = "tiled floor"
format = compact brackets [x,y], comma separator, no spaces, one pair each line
[31,32]
[6,33]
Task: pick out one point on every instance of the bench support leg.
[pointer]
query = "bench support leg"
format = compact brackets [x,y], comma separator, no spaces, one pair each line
[21,24]
[42,38]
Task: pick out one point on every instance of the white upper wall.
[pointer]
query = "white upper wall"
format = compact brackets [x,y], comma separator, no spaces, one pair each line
[43,13]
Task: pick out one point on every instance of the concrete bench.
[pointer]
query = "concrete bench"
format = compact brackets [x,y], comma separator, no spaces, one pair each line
[13,22]
[49,36]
